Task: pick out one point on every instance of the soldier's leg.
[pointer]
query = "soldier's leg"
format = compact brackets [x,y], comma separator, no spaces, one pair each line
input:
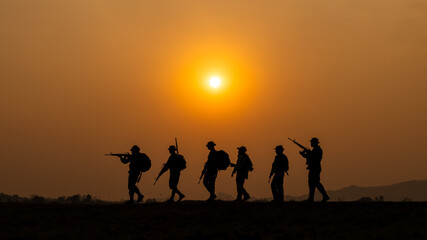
[312,183]
[244,192]
[322,190]
[280,193]
[173,184]
[212,186]
[239,185]
[275,185]
[206,182]
[132,186]
[176,188]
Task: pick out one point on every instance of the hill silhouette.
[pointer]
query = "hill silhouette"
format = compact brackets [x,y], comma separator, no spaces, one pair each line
[414,190]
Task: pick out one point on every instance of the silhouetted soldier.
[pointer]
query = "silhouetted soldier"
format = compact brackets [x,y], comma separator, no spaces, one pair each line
[175,164]
[313,160]
[210,171]
[137,163]
[280,166]
[242,168]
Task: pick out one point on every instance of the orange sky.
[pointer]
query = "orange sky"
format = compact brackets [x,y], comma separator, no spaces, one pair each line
[82,78]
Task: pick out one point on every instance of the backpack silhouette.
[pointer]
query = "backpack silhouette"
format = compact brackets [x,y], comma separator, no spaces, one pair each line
[144,163]
[222,160]
[182,164]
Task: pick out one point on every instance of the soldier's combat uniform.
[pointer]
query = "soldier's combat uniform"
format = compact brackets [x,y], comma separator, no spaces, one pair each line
[210,171]
[314,157]
[280,166]
[134,161]
[242,168]
[174,165]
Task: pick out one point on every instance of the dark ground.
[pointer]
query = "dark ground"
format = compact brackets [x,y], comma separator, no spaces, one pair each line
[218,220]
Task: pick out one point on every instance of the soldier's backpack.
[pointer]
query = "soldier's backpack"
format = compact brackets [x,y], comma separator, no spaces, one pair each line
[222,160]
[144,163]
[182,164]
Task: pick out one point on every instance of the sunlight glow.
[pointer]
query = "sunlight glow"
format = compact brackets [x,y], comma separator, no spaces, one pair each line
[215,82]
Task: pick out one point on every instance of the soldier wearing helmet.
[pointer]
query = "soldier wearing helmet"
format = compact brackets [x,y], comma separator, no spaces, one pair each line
[314,157]
[278,169]
[210,171]
[175,164]
[134,159]
[242,167]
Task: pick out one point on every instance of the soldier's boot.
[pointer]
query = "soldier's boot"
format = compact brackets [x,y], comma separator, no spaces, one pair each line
[323,192]
[312,189]
[239,198]
[140,198]
[130,201]
[246,197]
[325,198]
[211,198]
[181,196]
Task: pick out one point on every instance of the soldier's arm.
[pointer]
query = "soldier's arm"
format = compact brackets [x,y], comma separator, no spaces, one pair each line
[286,164]
[306,154]
[250,165]
[124,159]
[272,170]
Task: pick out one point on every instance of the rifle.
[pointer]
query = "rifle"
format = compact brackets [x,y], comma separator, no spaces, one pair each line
[299,145]
[176,145]
[118,154]
[158,176]
[304,152]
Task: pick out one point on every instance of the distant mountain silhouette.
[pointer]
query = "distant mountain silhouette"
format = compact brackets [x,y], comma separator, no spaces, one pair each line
[415,190]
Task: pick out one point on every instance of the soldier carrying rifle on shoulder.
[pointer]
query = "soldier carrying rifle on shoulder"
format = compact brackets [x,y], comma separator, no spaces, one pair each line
[175,164]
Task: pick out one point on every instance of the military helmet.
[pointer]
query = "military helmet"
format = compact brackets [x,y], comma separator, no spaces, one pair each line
[172,147]
[210,143]
[242,148]
[315,140]
[135,148]
[279,147]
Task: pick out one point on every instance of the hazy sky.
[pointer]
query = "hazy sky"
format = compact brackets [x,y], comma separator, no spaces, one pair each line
[82,78]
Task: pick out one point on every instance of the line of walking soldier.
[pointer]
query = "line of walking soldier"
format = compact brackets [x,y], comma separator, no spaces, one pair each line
[219,160]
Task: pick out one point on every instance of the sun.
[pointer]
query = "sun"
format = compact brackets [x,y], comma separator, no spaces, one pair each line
[215,82]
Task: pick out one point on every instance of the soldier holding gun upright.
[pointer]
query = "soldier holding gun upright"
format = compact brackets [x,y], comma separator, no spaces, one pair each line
[175,164]
[313,158]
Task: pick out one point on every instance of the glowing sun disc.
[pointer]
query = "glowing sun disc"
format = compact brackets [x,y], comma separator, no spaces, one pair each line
[215,82]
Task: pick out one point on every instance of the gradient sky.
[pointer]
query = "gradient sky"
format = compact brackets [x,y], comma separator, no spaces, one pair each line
[82,78]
